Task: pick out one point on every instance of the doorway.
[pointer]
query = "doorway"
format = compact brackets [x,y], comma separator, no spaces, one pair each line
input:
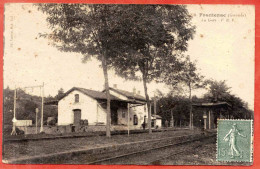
[114,118]
[77,116]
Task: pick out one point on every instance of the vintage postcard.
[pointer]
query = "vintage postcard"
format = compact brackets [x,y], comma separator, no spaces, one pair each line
[132,84]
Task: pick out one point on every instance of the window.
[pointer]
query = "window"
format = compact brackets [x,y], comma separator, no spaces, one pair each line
[135,120]
[76,98]
[123,114]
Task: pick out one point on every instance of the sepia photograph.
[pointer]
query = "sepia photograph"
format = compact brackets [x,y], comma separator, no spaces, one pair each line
[128,84]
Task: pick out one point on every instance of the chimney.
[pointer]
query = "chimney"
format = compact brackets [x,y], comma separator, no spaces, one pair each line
[115,86]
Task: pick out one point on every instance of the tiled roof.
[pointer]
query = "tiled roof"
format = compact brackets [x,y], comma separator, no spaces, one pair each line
[91,93]
[129,95]
[156,116]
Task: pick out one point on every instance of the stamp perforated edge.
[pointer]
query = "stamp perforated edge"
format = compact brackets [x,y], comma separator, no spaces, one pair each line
[251,144]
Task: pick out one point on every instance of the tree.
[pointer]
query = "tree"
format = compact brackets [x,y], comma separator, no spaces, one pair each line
[60,93]
[176,106]
[83,29]
[130,38]
[151,35]
[218,91]
[191,78]
[185,72]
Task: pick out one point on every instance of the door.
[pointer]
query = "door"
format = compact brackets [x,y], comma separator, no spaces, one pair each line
[77,116]
[114,118]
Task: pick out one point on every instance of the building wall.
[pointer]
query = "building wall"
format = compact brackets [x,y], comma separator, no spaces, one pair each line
[23,123]
[101,114]
[89,109]
[93,111]
[139,111]
[158,122]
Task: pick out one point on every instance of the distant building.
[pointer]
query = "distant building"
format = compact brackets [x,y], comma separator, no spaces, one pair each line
[22,123]
[79,105]
[210,112]
[156,121]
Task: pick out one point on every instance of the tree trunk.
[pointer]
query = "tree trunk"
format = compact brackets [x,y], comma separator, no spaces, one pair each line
[108,111]
[191,115]
[148,103]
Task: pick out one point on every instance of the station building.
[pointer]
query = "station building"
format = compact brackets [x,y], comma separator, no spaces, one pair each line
[81,106]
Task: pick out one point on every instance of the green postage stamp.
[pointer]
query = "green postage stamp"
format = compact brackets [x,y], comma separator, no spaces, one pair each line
[234,141]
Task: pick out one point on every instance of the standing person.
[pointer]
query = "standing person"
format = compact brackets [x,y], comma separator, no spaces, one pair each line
[144,123]
[232,137]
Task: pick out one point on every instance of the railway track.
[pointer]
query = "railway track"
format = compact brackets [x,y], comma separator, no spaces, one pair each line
[160,160]
[153,155]
[102,154]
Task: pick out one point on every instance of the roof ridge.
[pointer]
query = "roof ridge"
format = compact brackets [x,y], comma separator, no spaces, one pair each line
[127,93]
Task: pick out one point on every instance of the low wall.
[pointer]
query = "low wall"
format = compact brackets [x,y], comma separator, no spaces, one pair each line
[62,129]
[73,129]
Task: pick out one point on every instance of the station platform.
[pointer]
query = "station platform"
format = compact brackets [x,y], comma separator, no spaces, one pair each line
[32,151]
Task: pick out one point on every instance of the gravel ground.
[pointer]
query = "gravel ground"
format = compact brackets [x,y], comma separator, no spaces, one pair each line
[154,157]
[13,150]
[203,155]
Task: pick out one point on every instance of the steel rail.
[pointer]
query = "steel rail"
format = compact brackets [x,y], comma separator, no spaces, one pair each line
[176,153]
[151,149]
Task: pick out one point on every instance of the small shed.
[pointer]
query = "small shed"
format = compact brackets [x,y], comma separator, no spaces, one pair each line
[210,112]
[156,121]
[22,123]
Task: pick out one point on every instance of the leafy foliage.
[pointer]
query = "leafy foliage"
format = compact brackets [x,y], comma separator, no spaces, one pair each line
[220,92]
[149,36]
[186,73]
[60,94]
[131,38]
[25,108]
[139,36]
[178,106]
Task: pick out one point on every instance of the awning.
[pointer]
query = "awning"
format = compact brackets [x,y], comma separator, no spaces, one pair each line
[219,104]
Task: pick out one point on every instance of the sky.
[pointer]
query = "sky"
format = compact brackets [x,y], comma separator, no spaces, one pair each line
[223,48]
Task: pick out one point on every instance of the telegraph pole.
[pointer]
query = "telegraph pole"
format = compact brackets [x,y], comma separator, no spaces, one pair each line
[14,119]
[128,116]
[36,120]
[41,130]
[42,95]
[155,105]
[172,120]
